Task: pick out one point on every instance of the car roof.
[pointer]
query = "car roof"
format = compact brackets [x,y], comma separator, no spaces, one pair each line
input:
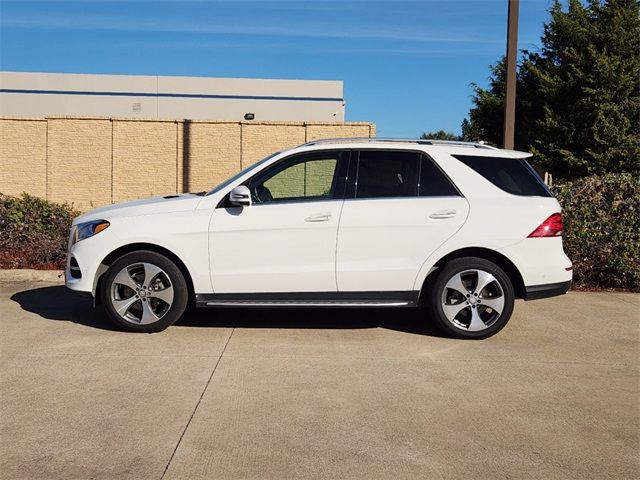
[447,146]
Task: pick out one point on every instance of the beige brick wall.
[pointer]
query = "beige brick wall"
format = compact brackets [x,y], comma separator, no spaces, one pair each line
[79,162]
[96,161]
[23,157]
[260,140]
[315,132]
[213,154]
[144,159]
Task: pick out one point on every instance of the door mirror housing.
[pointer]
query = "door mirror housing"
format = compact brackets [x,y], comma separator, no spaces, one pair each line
[240,196]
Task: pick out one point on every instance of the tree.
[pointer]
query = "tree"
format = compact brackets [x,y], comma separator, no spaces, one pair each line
[578,98]
[441,135]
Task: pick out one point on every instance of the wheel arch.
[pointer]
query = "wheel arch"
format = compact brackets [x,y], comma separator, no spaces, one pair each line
[486,253]
[133,247]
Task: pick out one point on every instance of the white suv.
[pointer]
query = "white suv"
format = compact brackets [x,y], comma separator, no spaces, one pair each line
[462,229]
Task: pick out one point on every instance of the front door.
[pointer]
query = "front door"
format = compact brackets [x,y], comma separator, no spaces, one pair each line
[286,240]
[398,211]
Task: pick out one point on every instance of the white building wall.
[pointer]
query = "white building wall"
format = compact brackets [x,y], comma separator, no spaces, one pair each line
[197,98]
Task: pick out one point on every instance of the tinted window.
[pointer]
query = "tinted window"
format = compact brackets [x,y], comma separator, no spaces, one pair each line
[303,178]
[434,183]
[513,176]
[383,174]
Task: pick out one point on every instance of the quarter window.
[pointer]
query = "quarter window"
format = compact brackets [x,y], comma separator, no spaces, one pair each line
[434,183]
[514,176]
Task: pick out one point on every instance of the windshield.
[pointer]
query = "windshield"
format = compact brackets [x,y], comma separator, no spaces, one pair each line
[240,174]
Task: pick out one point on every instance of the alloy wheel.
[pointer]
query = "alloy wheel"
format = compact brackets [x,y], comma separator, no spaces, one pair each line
[473,300]
[142,293]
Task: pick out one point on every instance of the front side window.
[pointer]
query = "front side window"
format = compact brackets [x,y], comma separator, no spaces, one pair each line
[387,174]
[302,178]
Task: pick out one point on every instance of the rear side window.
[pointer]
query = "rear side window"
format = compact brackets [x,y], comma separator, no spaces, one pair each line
[385,174]
[513,176]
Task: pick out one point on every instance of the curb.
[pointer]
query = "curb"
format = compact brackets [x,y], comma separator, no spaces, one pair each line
[29,275]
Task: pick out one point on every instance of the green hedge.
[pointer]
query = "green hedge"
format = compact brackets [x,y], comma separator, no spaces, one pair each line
[601,219]
[602,230]
[34,232]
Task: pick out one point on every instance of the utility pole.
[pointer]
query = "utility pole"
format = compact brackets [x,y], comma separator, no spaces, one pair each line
[512,58]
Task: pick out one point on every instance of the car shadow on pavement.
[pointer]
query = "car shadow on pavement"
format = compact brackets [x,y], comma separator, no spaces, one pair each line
[59,303]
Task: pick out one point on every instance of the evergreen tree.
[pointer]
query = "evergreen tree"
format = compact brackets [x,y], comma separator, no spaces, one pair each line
[441,135]
[578,98]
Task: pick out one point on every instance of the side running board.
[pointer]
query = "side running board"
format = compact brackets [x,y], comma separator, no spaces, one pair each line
[312,299]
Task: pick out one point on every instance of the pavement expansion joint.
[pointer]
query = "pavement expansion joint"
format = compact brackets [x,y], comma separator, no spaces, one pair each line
[213,371]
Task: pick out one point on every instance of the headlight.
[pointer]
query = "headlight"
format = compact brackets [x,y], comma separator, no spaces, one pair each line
[88,229]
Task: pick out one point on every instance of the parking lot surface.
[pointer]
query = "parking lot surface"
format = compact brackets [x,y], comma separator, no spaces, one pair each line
[342,393]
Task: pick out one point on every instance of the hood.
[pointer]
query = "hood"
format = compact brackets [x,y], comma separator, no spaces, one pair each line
[146,206]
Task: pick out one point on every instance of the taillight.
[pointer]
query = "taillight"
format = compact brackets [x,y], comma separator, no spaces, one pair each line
[551,227]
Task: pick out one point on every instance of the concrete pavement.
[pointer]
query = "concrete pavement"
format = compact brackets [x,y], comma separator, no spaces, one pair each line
[318,393]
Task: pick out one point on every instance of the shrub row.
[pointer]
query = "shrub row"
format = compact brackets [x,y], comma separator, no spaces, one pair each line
[601,218]
[34,232]
[602,230]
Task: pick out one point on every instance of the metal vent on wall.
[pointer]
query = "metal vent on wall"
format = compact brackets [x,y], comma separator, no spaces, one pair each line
[136,108]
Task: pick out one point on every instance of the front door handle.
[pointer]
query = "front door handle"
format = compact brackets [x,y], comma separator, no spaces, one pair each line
[443,214]
[321,217]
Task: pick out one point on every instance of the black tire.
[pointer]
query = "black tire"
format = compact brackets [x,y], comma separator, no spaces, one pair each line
[168,313]
[455,327]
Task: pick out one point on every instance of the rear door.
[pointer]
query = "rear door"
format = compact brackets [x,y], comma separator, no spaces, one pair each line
[400,208]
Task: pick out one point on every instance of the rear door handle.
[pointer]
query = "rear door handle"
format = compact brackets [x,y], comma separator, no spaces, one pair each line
[321,217]
[443,214]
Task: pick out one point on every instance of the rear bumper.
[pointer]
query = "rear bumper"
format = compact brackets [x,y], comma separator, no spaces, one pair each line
[535,292]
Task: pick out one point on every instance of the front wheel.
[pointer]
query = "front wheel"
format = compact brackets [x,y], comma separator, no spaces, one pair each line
[144,291]
[471,298]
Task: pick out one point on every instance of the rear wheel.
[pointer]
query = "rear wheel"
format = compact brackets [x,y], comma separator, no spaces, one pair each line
[144,291]
[471,298]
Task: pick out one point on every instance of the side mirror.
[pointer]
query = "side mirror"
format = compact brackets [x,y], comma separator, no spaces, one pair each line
[240,196]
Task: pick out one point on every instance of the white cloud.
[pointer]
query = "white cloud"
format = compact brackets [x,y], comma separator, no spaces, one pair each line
[87,22]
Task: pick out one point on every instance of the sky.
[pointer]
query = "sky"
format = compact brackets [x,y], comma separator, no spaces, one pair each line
[406,65]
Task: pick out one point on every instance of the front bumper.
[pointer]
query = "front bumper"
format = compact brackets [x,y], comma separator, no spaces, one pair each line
[535,292]
[83,277]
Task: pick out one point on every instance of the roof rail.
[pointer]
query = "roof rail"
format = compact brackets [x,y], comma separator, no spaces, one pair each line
[419,141]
